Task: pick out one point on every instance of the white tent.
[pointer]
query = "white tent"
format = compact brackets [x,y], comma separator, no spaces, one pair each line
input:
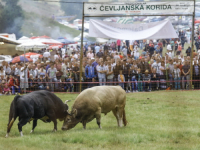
[24,39]
[47,41]
[154,30]
[31,45]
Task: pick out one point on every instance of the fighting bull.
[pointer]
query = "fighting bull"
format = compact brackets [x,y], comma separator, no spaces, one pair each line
[42,105]
[92,102]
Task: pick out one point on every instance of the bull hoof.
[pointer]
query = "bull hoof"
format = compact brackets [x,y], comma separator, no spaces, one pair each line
[32,131]
[21,134]
[7,135]
[54,130]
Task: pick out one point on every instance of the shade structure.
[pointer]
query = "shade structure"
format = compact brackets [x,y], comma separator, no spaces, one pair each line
[31,45]
[20,59]
[153,30]
[43,37]
[28,55]
[47,41]
[55,46]
[65,41]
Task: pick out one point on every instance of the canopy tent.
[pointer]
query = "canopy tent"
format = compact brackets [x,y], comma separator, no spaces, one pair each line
[48,41]
[8,40]
[55,46]
[41,37]
[154,30]
[31,45]
[65,41]
[24,39]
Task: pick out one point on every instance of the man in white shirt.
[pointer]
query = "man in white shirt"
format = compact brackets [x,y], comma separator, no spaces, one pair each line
[46,54]
[156,65]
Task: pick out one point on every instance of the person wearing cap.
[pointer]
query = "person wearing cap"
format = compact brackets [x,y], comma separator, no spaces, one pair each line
[146,81]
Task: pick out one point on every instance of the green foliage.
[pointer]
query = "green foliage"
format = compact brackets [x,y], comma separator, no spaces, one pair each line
[11,18]
[156,121]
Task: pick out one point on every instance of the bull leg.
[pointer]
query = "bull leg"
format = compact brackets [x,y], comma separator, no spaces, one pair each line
[120,115]
[10,124]
[34,125]
[52,117]
[115,114]
[84,124]
[21,123]
[98,117]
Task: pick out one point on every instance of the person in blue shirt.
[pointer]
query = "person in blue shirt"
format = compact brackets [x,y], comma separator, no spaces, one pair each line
[90,73]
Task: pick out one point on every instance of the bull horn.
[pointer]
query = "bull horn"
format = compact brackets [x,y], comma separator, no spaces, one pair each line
[67,101]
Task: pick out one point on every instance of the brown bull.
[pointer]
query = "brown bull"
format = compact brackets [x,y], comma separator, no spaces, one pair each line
[93,101]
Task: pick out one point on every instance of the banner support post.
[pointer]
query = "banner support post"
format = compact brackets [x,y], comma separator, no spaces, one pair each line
[192,48]
[81,56]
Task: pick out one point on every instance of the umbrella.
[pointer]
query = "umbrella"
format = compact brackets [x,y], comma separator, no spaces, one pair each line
[28,55]
[20,59]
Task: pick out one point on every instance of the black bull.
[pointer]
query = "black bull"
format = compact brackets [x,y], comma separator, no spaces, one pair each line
[42,105]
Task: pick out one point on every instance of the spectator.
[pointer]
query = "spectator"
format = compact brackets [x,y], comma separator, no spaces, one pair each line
[121,79]
[2,72]
[89,73]
[101,73]
[7,90]
[146,81]
[110,74]
[134,78]
[186,75]
[177,77]
[51,75]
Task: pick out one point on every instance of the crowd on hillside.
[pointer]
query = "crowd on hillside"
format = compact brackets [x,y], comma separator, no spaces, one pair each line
[134,65]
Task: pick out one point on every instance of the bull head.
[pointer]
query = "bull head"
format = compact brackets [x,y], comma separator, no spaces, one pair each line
[70,121]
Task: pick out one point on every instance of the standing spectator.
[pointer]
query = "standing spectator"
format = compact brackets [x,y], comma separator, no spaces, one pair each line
[47,55]
[155,79]
[118,45]
[186,75]
[101,73]
[134,77]
[110,74]
[70,79]
[11,83]
[89,73]
[2,72]
[116,70]
[51,75]
[188,51]
[196,74]
[90,55]
[16,86]
[24,77]
[124,50]
[76,76]
[126,73]
[121,79]
[170,69]
[7,69]
[139,80]
[100,54]
[144,65]
[97,48]
[177,77]
[146,81]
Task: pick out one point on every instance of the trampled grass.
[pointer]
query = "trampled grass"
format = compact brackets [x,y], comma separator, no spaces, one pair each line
[156,121]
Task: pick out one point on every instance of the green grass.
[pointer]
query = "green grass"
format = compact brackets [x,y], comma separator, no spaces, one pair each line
[165,120]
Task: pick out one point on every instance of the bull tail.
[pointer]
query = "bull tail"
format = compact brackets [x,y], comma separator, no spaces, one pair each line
[12,114]
[124,118]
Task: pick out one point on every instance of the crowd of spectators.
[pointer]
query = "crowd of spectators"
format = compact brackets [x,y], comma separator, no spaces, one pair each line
[134,65]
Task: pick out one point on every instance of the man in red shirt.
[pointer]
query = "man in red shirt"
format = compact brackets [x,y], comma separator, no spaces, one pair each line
[118,45]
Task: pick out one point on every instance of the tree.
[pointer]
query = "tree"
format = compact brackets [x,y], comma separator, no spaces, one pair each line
[11,18]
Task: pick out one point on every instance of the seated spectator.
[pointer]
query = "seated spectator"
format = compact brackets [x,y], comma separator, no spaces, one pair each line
[11,83]
[146,81]
[16,86]
[121,79]
[32,83]
[7,90]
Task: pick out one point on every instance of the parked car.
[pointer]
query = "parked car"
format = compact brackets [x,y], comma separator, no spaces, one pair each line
[6,58]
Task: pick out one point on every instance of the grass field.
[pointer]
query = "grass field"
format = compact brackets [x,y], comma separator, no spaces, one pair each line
[156,121]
